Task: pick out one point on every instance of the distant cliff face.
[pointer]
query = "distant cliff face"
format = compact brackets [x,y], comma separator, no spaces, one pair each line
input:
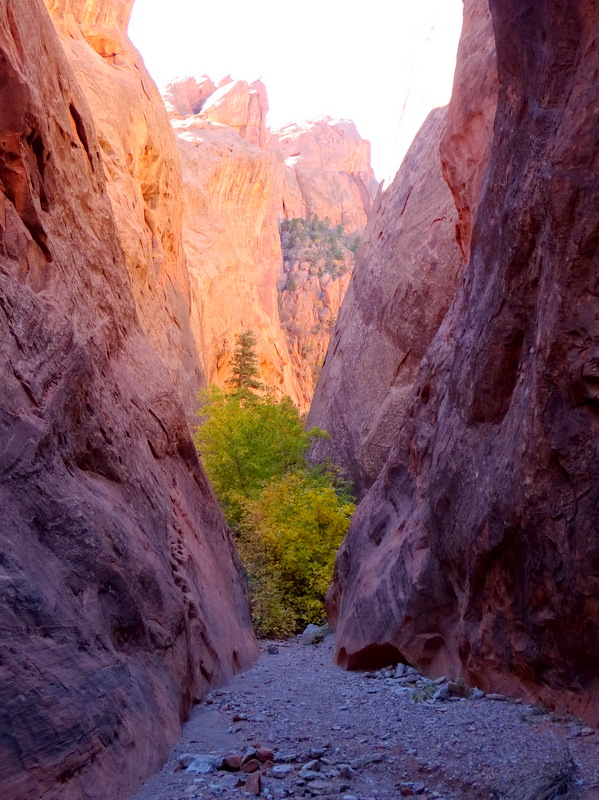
[475,552]
[403,283]
[116,568]
[238,189]
[143,173]
[331,166]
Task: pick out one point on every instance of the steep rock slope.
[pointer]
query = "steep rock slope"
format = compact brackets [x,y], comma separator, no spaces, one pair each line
[466,143]
[143,175]
[331,165]
[237,190]
[233,250]
[476,551]
[121,597]
[401,288]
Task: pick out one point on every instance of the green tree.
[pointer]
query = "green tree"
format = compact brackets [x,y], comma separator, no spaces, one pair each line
[245,441]
[290,536]
[289,517]
[245,363]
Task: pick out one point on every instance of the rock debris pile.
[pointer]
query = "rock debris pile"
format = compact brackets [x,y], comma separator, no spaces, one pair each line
[295,725]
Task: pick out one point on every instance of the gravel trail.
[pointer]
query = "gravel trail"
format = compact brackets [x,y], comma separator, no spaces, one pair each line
[365,736]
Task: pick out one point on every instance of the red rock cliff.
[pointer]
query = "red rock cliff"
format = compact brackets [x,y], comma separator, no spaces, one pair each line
[121,597]
[237,190]
[143,173]
[475,552]
[403,283]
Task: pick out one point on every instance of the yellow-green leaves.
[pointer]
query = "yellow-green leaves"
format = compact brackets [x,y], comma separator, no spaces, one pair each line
[289,518]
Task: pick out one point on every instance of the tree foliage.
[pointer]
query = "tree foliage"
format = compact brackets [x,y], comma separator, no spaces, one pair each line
[244,364]
[289,517]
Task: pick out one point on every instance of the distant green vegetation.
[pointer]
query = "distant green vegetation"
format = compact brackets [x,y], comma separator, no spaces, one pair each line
[317,240]
[288,517]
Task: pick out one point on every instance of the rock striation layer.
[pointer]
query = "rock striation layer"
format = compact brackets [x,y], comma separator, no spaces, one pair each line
[402,285]
[121,596]
[475,552]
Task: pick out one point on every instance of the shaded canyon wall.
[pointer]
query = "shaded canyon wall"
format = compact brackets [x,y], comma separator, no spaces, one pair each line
[475,552]
[121,596]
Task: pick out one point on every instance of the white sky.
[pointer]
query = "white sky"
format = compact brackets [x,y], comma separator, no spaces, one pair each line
[382,63]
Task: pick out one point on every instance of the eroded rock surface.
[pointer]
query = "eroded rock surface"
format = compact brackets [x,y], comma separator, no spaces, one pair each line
[466,143]
[475,552]
[405,278]
[143,174]
[238,188]
[121,597]
[331,165]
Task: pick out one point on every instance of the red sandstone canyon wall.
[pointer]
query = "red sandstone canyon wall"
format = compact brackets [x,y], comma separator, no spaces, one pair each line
[143,174]
[404,280]
[238,187]
[475,552]
[121,596]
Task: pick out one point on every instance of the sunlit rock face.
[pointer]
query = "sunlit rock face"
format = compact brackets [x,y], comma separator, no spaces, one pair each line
[121,597]
[405,278]
[233,251]
[237,190]
[143,174]
[476,551]
[331,165]
[466,143]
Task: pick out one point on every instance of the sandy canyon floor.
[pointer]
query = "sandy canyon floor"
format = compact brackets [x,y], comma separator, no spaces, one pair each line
[309,729]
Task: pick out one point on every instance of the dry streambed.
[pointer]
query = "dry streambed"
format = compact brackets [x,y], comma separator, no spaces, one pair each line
[295,725]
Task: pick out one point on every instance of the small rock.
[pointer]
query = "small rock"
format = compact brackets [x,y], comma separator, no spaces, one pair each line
[312,765]
[349,797]
[239,717]
[345,772]
[316,752]
[253,783]
[321,787]
[364,761]
[281,770]
[587,731]
[264,754]
[248,755]
[201,764]
[309,632]
[251,766]
[272,649]
[459,689]
[442,693]
[231,763]
[285,758]
[309,774]
[400,670]
[477,694]
[439,681]
[495,696]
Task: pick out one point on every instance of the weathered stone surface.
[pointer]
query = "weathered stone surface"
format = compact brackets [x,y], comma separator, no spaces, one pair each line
[331,163]
[186,97]
[237,189]
[402,285]
[466,143]
[475,551]
[233,251]
[143,174]
[243,107]
[121,597]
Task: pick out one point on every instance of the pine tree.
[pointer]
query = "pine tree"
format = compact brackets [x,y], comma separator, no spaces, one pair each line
[245,363]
